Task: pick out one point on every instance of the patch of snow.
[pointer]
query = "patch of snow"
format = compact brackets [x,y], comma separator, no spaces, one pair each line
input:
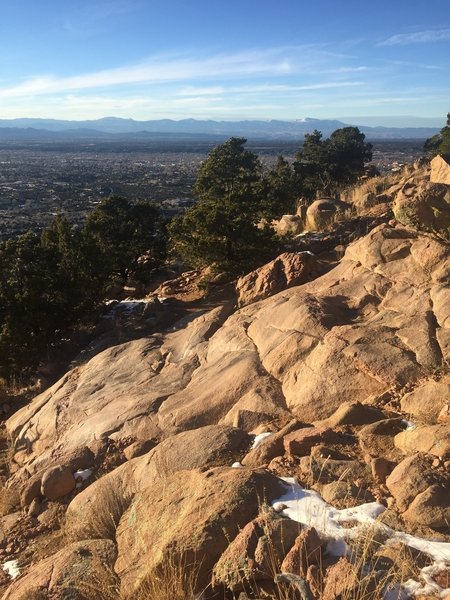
[237,465]
[308,507]
[125,307]
[340,526]
[307,252]
[81,475]
[12,568]
[408,425]
[259,438]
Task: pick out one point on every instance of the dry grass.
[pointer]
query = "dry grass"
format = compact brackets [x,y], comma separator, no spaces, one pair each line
[9,501]
[173,581]
[102,514]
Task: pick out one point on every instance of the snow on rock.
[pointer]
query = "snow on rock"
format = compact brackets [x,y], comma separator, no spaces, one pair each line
[340,526]
[308,507]
[12,568]
[125,307]
[81,476]
[259,438]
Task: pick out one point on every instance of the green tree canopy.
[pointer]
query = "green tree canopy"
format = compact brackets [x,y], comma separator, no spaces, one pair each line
[224,226]
[444,146]
[124,231]
[279,190]
[439,143]
[327,165]
[49,282]
[229,173]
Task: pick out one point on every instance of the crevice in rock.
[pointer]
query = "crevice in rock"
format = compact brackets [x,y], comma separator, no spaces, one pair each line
[281,399]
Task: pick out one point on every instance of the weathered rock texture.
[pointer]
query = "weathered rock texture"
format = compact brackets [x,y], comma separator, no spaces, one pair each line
[321,213]
[76,572]
[215,504]
[287,270]
[325,365]
[440,170]
[378,321]
[422,201]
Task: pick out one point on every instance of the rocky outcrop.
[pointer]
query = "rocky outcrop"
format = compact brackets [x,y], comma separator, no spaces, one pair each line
[110,496]
[440,170]
[116,394]
[349,374]
[323,212]
[423,204]
[77,572]
[190,517]
[287,270]
[377,322]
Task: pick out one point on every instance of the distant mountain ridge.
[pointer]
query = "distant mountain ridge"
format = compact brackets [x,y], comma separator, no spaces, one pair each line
[272,129]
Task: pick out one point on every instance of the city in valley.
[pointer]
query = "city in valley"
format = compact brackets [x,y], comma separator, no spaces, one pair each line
[41,179]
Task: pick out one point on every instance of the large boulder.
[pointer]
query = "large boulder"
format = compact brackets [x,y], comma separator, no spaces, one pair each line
[257,552]
[322,213]
[76,572]
[440,170]
[426,401]
[57,482]
[430,507]
[287,270]
[424,205]
[96,511]
[289,225]
[409,478]
[189,518]
[431,439]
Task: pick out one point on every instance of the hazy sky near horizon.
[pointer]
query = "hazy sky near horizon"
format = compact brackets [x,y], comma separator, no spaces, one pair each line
[235,59]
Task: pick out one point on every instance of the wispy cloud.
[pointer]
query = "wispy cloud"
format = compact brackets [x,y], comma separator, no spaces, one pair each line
[265,88]
[159,70]
[417,37]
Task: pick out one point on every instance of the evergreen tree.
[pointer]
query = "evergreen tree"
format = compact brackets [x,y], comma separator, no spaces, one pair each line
[439,143]
[123,231]
[327,166]
[279,193]
[224,227]
[444,146]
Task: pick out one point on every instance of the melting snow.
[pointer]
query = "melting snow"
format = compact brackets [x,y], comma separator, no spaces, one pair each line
[81,475]
[12,568]
[126,307]
[408,425]
[339,526]
[259,438]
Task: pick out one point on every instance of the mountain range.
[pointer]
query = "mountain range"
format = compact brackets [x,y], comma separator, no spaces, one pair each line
[271,129]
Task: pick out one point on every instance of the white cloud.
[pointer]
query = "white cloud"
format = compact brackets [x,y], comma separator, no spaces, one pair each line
[266,88]
[418,37]
[159,70]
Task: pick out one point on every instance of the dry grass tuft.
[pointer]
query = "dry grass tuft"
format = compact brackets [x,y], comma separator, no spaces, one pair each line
[9,501]
[102,515]
[173,581]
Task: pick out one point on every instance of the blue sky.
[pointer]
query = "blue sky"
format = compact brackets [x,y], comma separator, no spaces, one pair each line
[234,59]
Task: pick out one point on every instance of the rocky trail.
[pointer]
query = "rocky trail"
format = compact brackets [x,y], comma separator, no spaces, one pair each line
[146,464]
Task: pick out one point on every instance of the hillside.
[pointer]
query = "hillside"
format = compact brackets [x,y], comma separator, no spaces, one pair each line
[295,447]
